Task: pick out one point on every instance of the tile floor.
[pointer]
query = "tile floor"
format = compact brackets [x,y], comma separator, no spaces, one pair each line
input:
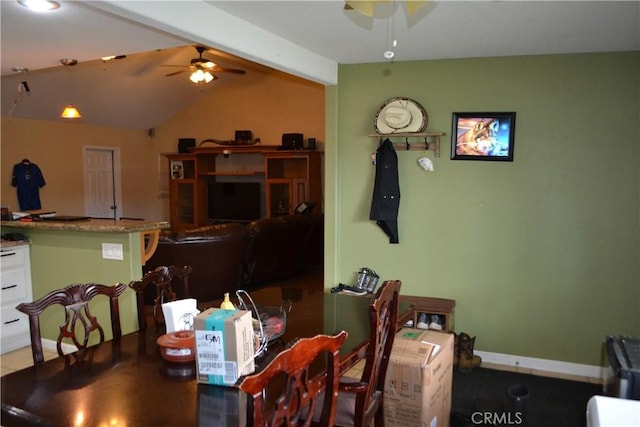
[20,358]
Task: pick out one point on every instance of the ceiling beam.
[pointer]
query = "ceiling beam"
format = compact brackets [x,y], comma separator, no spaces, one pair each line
[202,22]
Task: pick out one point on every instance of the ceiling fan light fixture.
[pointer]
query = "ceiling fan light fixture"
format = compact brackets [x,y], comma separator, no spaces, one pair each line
[201,76]
[70,112]
[112,57]
[368,7]
[39,5]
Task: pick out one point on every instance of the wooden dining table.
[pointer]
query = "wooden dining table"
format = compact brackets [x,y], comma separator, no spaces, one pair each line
[126,382]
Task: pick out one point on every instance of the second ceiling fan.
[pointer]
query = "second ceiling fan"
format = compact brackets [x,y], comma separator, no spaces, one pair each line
[202,68]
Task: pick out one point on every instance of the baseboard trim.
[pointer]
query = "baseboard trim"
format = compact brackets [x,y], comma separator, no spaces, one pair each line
[543,367]
[51,345]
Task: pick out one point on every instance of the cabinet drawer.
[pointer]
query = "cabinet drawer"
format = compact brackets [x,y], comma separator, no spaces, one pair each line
[13,257]
[13,286]
[13,322]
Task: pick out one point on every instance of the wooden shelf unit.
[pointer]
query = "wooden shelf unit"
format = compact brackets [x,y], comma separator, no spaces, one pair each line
[445,308]
[234,173]
[290,176]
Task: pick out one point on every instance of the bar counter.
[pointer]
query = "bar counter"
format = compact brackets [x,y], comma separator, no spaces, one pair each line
[93,224]
[87,251]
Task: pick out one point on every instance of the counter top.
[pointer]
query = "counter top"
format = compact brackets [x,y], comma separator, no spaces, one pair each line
[11,243]
[94,225]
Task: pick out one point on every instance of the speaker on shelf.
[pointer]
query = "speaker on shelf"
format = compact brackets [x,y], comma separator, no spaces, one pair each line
[243,136]
[292,141]
[185,143]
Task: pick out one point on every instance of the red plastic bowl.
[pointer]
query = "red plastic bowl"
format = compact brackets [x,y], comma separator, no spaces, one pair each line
[178,346]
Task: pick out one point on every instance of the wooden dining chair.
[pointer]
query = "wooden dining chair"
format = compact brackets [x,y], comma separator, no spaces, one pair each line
[301,390]
[163,278]
[75,300]
[360,400]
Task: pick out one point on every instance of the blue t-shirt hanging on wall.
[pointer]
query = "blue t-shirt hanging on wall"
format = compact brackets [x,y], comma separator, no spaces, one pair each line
[28,180]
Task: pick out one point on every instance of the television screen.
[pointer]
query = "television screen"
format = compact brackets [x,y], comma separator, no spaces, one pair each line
[234,201]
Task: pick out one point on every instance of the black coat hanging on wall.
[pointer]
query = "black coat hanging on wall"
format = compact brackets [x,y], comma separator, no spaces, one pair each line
[386,191]
[28,180]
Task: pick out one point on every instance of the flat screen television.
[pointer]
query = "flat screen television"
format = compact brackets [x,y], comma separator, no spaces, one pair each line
[235,201]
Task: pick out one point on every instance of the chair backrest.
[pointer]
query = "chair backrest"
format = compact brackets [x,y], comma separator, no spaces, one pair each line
[383,318]
[163,278]
[301,391]
[75,300]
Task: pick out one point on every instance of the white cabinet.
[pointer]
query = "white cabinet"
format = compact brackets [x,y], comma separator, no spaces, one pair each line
[15,287]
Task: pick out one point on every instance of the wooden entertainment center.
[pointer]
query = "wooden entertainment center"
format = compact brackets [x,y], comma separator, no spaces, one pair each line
[290,177]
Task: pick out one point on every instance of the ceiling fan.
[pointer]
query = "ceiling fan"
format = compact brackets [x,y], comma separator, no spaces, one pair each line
[202,68]
[367,7]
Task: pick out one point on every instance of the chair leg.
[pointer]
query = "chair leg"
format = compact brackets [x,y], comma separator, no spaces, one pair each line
[378,420]
[456,349]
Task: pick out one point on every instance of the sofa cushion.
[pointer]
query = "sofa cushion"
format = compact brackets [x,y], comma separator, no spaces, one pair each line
[208,232]
[215,252]
[277,247]
[229,256]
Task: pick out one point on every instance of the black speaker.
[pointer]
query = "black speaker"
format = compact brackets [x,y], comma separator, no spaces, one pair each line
[243,136]
[292,141]
[185,143]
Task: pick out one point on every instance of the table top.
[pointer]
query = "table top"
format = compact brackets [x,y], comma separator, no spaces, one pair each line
[129,383]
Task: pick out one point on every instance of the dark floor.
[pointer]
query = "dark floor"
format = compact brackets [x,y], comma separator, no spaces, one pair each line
[480,399]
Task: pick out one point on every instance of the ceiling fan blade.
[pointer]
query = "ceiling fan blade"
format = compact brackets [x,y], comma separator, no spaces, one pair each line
[367,8]
[203,64]
[174,73]
[217,69]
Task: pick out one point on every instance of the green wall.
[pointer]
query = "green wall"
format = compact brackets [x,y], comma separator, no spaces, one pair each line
[542,254]
[60,258]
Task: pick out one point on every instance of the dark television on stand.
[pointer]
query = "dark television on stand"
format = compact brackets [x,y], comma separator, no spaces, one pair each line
[235,201]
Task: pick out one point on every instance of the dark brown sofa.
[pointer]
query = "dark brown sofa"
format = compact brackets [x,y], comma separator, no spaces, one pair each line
[230,256]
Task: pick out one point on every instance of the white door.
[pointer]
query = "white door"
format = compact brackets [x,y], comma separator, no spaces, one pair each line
[103,197]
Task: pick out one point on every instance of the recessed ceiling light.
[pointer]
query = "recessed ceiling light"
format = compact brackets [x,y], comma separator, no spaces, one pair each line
[69,61]
[39,5]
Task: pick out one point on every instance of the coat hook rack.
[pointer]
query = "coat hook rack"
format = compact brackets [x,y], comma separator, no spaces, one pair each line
[430,141]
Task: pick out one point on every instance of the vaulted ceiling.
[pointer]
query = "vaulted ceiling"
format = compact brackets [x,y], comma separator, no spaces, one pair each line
[305,38]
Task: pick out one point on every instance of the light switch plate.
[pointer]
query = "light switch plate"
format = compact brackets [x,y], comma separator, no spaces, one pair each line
[112,251]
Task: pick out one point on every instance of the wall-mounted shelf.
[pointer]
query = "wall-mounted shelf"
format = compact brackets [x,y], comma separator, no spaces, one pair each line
[413,140]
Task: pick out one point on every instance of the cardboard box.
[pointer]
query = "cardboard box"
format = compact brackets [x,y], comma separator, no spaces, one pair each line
[418,381]
[224,346]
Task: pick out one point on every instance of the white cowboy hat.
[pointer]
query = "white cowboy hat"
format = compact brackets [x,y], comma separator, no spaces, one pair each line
[400,115]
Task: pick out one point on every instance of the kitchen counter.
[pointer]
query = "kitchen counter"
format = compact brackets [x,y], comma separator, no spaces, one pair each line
[100,251]
[97,225]
[12,243]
